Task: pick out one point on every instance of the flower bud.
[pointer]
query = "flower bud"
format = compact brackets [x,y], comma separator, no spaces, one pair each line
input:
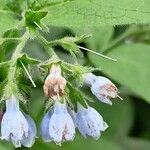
[54,85]
[90,122]
[17,127]
[104,89]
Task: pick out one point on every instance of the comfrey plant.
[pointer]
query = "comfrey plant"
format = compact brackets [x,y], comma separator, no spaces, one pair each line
[67,106]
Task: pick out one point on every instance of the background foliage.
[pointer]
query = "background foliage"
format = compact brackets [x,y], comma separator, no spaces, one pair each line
[114,34]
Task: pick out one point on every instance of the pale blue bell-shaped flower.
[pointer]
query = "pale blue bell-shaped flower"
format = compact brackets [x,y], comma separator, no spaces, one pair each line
[61,125]
[90,122]
[16,126]
[104,89]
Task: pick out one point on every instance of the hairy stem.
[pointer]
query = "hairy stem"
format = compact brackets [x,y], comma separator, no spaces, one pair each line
[16,54]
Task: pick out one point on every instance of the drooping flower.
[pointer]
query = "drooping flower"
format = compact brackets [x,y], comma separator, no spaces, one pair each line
[16,126]
[54,85]
[90,122]
[102,88]
[59,126]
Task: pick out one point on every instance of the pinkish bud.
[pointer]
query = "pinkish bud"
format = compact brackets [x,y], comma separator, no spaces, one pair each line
[54,85]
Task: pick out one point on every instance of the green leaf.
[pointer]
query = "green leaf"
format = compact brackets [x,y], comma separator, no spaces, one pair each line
[98,12]
[88,143]
[8,21]
[79,143]
[16,6]
[119,117]
[38,104]
[100,36]
[131,69]
[6,146]
[135,144]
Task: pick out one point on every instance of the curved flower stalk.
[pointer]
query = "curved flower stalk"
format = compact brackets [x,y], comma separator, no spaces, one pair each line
[90,122]
[54,85]
[101,87]
[16,126]
[59,126]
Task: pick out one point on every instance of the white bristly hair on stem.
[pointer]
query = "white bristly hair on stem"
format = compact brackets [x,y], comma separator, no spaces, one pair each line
[97,53]
[38,25]
[28,74]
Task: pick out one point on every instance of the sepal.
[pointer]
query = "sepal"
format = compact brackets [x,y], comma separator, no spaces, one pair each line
[33,19]
[76,39]
[28,60]
[48,63]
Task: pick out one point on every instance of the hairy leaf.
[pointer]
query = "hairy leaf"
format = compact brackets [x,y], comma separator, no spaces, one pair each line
[98,12]
[7,21]
[100,38]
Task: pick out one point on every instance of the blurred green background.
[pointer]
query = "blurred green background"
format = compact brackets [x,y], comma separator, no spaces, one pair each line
[128,120]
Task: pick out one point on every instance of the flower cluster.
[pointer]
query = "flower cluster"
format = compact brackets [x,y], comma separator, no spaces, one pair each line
[60,122]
